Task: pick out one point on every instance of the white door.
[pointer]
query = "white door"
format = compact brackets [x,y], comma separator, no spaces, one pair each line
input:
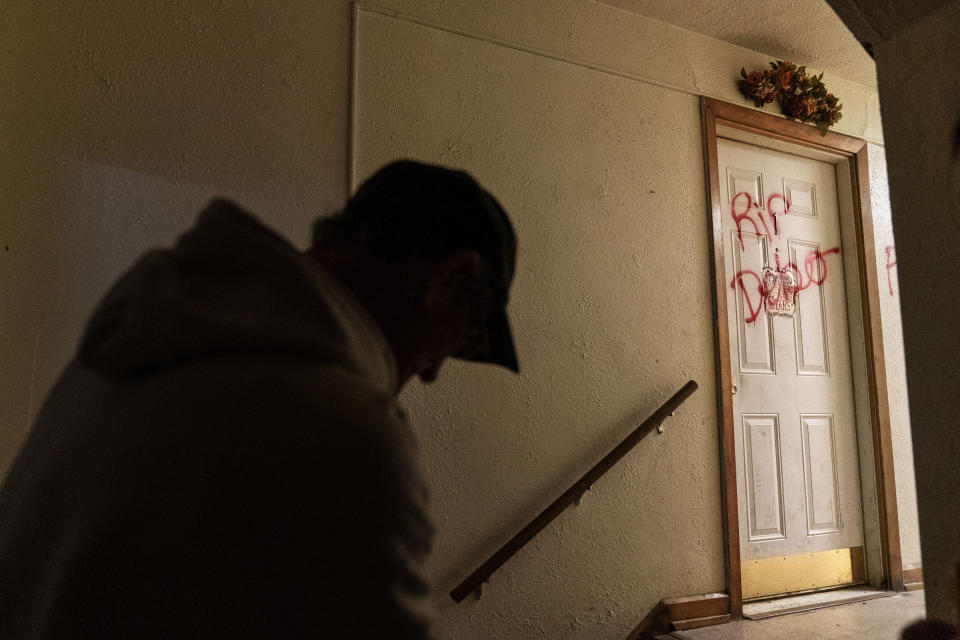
[799,491]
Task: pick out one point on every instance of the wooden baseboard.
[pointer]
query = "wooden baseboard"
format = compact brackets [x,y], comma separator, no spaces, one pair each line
[700,606]
[913,579]
[687,612]
[696,623]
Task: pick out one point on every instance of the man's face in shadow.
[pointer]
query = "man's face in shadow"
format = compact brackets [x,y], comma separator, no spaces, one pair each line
[457,303]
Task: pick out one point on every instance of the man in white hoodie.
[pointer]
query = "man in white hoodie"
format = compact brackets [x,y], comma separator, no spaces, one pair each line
[224,457]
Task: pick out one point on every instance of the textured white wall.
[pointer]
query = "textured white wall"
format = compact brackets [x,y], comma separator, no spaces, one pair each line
[118,120]
[611,309]
[894,360]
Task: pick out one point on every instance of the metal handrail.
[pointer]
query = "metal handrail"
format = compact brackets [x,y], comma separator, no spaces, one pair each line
[571,495]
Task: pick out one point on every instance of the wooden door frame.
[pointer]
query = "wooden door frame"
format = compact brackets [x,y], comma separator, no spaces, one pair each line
[715,112]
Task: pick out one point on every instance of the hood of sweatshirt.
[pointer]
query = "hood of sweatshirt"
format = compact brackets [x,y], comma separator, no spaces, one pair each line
[230,286]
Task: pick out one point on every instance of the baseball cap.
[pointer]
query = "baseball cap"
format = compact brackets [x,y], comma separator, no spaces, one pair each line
[442,210]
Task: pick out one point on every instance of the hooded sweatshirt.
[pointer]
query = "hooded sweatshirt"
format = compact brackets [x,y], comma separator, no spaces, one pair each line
[223,458]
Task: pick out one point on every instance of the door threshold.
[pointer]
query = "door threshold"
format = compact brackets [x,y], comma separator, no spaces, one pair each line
[811,601]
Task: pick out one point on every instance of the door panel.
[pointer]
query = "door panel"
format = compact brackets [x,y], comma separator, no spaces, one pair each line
[820,469]
[796,451]
[754,334]
[764,480]
[813,354]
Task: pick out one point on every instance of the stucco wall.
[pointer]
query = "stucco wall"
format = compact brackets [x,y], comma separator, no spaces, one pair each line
[886,256]
[924,189]
[119,119]
[605,306]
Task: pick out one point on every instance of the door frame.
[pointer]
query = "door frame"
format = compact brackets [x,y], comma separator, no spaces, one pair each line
[854,150]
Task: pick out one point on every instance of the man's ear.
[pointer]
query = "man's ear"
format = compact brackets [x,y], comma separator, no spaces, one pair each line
[451,275]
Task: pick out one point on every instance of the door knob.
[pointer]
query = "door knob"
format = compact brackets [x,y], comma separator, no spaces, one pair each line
[733,390]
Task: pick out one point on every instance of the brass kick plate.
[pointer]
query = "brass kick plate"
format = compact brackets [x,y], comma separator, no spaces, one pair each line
[802,572]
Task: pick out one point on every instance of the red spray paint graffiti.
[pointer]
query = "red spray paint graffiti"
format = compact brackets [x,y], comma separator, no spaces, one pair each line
[751,311]
[891,263]
[814,268]
[751,208]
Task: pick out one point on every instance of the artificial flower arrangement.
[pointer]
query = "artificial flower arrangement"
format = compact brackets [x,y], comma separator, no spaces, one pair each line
[801,96]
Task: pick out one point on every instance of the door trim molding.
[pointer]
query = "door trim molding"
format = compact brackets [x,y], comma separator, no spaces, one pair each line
[853,151]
